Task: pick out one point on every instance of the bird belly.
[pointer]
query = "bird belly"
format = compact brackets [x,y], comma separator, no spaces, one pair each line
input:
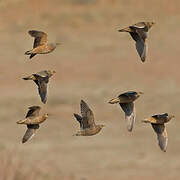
[41,50]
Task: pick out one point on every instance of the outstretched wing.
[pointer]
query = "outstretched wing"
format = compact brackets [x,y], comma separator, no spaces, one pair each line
[139,36]
[162,137]
[79,119]
[42,89]
[160,116]
[30,132]
[141,49]
[40,37]
[87,115]
[130,114]
[33,111]
[41,82]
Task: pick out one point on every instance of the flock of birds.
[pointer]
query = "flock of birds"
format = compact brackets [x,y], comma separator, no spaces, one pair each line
[88,127]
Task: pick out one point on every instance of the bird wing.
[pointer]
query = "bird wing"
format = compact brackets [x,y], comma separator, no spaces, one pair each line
[141,49]
[79,119]
[127,96]
[42,73]
[33,111]
[42,89]
[139,25]
[42,82]
[160,116]
[30,132]
[162,137]
[139,36]
[87,115]
[130,114]
[135,36]
[142,34]
[40,37]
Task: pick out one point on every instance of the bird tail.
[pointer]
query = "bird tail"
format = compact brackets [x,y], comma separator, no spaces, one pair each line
[21,121]
[28,52]
[125,30]
[145,121]
[29,78]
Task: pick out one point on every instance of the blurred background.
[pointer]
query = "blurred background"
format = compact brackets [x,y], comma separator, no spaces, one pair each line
[94,63]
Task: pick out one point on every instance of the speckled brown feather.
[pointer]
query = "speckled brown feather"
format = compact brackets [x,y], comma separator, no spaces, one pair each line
[87,124]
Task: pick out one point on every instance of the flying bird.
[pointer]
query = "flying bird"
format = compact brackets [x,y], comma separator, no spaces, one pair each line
[88,126]
[32,120]
[41,79]
[41,45]
[126,102]
[138,32]
[158,124]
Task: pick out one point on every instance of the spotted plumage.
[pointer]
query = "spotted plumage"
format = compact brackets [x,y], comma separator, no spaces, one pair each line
[88,126]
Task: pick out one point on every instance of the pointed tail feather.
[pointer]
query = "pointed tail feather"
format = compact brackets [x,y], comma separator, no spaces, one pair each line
[28,52]
[32,55]
[146,121]
[21,121]
[125,30]
[29,78]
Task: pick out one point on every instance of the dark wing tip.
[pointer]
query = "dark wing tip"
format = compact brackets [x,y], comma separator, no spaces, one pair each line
[78,117]
[82,101]
[31,56]
[24,140]
[43,98]
[44,101]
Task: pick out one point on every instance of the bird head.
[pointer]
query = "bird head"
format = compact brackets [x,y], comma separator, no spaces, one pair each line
[51,72]
[150,24]
[171,116]
[139,93]
[46,115]
[101,126]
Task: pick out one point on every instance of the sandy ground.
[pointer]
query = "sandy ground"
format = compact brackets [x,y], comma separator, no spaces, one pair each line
[94,63]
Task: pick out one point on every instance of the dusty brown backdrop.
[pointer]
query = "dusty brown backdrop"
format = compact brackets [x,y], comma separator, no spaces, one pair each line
[94,63]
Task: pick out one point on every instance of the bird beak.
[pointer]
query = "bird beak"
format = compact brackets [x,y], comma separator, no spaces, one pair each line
[57,44]
[114,100]
[49,114]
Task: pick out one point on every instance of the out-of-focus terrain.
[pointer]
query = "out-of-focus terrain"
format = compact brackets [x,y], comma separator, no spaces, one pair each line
[94,63]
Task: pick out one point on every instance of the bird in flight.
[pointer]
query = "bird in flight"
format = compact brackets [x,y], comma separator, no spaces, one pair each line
[41,79]
[41,45]
[138,32]
[32,120]
[158,124]
[126,102]
[88,126]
